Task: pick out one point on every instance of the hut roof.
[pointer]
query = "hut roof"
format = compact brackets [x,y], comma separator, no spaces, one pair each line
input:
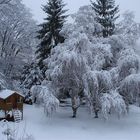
[6,93]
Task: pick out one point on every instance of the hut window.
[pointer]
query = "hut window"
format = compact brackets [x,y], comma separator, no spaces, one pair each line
[19,100]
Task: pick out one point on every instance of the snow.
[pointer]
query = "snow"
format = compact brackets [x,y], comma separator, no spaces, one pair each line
[63,127]
[2,114]
[6,93]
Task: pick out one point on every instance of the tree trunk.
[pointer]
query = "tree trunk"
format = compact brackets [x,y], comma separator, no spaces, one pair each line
[96,113]
[74,112]
[74,106]
[95,108]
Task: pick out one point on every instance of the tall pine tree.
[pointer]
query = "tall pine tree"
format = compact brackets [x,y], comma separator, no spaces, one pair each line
[49,34]
[107,13]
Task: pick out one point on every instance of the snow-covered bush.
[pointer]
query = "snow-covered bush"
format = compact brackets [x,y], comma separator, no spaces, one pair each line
[11,133]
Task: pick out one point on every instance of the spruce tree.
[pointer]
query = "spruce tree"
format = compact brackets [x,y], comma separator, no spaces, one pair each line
[26,71]
[49,33]
[107,13]
[32,76]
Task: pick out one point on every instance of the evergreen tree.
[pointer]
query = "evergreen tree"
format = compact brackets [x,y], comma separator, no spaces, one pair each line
[32,76]
[107,13]
[26,71]
[49,34]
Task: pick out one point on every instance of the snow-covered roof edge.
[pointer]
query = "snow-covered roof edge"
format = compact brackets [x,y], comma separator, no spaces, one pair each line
[5,93]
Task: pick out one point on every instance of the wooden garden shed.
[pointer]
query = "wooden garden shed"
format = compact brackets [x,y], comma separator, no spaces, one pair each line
[11,105]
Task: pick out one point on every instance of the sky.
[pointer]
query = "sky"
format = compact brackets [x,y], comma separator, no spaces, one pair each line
[73,6]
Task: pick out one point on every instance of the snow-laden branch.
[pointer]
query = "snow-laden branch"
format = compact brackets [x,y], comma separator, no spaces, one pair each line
[45,98]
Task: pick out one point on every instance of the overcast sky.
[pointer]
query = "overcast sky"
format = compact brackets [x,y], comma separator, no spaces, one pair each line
[73,5]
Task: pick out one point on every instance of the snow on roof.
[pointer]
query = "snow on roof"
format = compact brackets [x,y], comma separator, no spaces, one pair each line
[6,93]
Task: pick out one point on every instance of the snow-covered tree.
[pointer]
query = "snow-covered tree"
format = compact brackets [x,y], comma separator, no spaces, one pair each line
[80,54]
[91,87]
[67,64]
[129,28]
[101,94]
[89,65]
[32,78]
[17,32]
[107,13]
[66,73]
[96,83]
[45,98]
[84,22]
[49,34]
[26,71]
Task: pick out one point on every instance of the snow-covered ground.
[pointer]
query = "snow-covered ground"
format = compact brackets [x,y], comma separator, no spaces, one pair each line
[63,127]
[137,47]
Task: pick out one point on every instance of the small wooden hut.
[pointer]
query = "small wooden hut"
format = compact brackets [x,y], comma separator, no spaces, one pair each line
[11,105]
